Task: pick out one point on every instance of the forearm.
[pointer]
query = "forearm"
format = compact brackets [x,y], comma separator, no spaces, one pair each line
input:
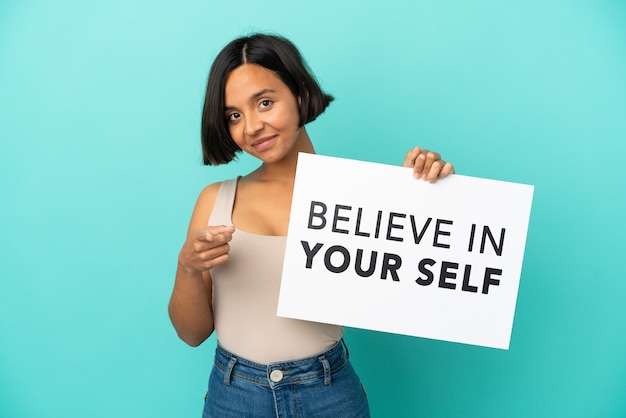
[190,307]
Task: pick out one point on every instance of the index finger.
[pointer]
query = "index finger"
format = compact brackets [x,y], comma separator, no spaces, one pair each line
[202,234]
[430,157]
[221,229]
[419,167]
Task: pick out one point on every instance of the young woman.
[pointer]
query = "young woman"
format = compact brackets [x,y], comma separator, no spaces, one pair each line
[260,95]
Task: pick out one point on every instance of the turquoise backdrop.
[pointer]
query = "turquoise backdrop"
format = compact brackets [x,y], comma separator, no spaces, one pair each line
[100,165]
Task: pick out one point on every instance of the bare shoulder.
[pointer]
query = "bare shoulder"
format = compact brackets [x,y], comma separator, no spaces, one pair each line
[204,206]
[209,193]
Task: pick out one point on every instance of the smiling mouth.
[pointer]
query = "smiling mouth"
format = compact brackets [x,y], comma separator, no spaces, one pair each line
[264,143]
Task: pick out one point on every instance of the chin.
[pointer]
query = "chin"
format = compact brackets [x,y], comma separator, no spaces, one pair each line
[271,157]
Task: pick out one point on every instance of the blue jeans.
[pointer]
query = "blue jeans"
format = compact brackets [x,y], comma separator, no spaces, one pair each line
[323,385]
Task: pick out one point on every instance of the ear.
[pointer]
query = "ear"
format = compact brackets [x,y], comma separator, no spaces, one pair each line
[306,94]
[304,103]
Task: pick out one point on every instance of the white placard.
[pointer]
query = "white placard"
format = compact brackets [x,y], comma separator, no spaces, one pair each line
[371,247]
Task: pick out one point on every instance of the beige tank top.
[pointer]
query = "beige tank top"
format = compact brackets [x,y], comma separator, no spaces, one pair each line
[245,297]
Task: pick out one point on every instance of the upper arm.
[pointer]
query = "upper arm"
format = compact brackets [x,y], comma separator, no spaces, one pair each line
[200,219]
[204,207]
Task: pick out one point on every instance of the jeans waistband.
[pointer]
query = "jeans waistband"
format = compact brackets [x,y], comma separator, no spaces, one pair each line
[321,365]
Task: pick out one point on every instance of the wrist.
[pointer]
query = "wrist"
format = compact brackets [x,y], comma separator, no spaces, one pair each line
[188,270]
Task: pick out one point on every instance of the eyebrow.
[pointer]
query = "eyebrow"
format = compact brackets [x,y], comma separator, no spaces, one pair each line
[253,97]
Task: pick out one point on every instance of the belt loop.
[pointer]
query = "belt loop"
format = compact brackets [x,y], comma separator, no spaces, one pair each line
[229,370]
[346,347]
[326,366]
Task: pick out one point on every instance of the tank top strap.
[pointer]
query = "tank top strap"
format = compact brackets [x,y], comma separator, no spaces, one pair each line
[223,208]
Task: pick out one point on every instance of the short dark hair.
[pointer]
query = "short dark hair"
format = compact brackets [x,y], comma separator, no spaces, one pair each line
[278,55]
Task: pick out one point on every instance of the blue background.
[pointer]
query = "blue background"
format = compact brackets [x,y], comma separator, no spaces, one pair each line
[100,165]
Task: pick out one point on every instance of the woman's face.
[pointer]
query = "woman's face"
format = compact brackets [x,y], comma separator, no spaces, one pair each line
[262,114]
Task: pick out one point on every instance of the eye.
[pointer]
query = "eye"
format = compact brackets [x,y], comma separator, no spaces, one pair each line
[265,103]
[232,117]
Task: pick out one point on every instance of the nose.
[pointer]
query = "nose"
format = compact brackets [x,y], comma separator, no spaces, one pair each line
[253,124]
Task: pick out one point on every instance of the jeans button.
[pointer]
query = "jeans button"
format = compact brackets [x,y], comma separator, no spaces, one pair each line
[276,376]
